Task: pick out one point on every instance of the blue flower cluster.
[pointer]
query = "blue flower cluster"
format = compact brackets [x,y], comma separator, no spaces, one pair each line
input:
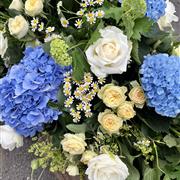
[26,90]
[161,83]
[155,9]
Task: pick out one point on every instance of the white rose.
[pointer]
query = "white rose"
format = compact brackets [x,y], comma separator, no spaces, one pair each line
[16,4]
[18,26]
[104,167]
[74,143]
[3,44]
[9,139]
[109,54]
[72,170]
[33,7]
[169,17]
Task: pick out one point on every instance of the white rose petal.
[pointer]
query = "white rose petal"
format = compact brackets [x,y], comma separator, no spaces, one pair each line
[104,167]
[169,17]
[33,7]
[72,170]
[109,54]
[18,26]
[3,44]
[9,139]
[16,4]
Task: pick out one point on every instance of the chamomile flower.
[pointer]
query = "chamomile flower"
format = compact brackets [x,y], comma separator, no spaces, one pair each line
[69,102]
[41,27]
[87,107]
[88,78]
[84,4]
[100,14]
[50,29]
[77,94]
[78,23]
[100,2]
[80,12]
[88,114]
[76,115]
[101,80]
[34,28]
[79,107]
[91,2]
[91,17]
[64,22]
[34,22]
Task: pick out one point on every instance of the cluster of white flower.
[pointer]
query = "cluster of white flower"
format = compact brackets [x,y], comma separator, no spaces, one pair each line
[87,13]
[84,93]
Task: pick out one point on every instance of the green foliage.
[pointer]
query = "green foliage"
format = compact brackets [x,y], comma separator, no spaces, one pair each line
[151,173]
[141,26]
[47,156]
[153,120]
[113,12]
[80,65]
[95,35]
[170,141]
[132,10]
[77,128]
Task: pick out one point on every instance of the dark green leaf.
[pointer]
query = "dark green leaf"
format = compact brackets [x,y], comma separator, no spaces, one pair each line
[95,35]
[53,105]
[142,26]
[80,65]
[113,12]
[151,174]
[153,120]
[135,52]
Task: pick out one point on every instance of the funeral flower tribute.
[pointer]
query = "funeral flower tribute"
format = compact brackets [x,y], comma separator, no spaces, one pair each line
[95,84]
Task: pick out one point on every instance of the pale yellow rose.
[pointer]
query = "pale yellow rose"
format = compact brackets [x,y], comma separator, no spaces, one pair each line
[74,143]
[126,110]
[87,156]
[137,96]
[72,170]
[110,122]
[112,95]
[33,7]
[18,26]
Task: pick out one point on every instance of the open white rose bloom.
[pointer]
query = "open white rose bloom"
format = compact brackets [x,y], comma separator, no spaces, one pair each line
[109,54]
[169,17]
[9,139]
[104,167]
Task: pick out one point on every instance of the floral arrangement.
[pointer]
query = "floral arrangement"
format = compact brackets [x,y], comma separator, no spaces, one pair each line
[95,84]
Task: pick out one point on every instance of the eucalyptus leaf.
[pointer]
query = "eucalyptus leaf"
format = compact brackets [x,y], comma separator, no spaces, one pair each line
[170,141]
[77,128]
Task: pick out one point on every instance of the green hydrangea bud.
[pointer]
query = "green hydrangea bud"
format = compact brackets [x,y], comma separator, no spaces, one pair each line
[34,164]
[58,50]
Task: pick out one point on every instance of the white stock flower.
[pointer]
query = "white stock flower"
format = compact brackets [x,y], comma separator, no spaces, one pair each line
[3,44]
[109,54]
[72,170]
[33,7]
[16,4]
[9,139]
[18,26]
[104,167]
[169,17]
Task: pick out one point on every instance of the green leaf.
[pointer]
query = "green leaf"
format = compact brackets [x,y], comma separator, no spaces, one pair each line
[113,12]
[95,35]
[53,105]
[77,128]
[154,121]
[133,172]
[61,97]
[151,174]
[142,26]
[80,65]
[170,141]
[135,52]
[132,10]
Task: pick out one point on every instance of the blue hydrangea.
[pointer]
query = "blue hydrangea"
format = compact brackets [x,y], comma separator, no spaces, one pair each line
[155,9]
[161,83]
[26,90]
